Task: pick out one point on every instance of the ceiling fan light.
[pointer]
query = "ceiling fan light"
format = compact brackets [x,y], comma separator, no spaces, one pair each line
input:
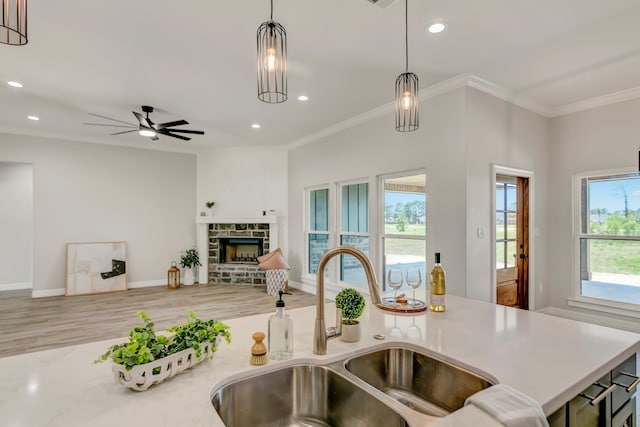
[272,61]
[13,24]
[147,132]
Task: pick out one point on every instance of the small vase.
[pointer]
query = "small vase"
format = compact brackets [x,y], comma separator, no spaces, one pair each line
[351,333]
[188,276]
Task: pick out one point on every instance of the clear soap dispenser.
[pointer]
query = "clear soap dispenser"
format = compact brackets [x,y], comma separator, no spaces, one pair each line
[280,332]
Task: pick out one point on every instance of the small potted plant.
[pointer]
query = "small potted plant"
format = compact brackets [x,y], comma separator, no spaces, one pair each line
[188,260]
[351,303]
[209,206]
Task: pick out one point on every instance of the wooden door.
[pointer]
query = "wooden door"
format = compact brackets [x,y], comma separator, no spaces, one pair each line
[512,241]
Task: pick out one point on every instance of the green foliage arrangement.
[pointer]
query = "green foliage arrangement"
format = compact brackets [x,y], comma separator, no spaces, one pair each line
[209,204]
[145,346]
[190,258]
[351,303]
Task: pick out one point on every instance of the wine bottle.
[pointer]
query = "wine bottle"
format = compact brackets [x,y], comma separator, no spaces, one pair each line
[437,287]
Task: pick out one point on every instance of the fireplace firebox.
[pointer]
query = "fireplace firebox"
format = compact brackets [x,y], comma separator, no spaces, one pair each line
[238,250]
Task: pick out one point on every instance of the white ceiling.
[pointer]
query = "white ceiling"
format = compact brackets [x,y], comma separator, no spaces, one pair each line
[195,59]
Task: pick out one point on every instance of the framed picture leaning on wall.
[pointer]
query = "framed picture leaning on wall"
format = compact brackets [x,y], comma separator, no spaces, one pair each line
[94,268]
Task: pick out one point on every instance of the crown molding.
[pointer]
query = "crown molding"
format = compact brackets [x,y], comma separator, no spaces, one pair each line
[599,101]
[426,93]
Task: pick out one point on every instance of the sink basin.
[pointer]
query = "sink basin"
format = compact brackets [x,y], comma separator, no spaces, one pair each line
[421,382]
[300,395]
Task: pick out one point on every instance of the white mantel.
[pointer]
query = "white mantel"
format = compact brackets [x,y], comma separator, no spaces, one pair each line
[202,232]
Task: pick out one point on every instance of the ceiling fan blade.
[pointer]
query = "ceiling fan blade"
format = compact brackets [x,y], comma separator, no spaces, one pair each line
[126,131]
[109,118]
[196,132]
[168,133]
[115,126]
[170,124]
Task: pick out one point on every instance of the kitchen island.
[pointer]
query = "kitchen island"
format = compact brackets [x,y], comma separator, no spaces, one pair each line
[548,358]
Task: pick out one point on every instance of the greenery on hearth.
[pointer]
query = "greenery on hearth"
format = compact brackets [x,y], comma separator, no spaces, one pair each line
[351,303]
[145,346]
[190,258]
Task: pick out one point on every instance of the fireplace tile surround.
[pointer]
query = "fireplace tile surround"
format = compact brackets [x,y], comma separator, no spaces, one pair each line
[209,232]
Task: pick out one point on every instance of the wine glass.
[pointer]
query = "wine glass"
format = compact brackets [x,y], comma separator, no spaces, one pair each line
[394,280]
[414,280]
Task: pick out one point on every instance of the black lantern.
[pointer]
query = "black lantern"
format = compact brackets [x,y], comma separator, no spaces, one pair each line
[272,61]
[407,90]
[13,24]
[173,276]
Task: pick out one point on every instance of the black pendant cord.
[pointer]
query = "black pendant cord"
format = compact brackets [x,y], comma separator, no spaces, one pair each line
[406,35]
[272,10]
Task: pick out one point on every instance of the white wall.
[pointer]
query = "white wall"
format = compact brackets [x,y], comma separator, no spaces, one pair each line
[375,148]
[598,139]
[90,192]
[244,182]
[506,135]
[16,225]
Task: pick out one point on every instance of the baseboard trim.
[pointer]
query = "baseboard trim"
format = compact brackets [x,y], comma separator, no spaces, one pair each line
[15,286]
[146,283]
[591,318]
[47,293]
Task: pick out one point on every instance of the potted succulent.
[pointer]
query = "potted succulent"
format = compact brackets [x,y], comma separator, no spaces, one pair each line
[351,303]
[209,206]
[148,359]
[188,260]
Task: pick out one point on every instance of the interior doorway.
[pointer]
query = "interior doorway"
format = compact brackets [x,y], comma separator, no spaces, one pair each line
[511,230]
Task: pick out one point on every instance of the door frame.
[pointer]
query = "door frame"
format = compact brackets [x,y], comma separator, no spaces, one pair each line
[505,170]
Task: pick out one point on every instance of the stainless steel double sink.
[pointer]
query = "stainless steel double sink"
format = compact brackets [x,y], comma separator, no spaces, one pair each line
[369,389]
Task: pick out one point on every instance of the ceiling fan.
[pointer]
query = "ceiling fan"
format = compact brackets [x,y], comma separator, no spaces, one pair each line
[148,128]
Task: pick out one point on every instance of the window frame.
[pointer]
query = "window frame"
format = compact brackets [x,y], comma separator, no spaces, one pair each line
[577,299]
[307,219]
[339,233]
[382,235]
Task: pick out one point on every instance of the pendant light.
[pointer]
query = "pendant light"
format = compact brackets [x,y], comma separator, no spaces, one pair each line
[13,23]
[406,88]
[272,61]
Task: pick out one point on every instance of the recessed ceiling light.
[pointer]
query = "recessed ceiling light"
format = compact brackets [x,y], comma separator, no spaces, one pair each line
[14,84]
[437,27]
[35,118]
[255,126]
[303,98]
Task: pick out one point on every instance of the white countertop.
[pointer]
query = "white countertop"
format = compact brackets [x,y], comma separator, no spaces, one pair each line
[548,358]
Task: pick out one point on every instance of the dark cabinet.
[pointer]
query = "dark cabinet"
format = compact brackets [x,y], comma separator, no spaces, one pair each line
[608,402]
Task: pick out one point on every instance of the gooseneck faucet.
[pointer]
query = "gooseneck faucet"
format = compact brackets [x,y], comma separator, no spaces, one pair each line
[321,334]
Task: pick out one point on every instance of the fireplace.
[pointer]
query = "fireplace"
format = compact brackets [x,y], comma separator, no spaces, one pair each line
[240,250]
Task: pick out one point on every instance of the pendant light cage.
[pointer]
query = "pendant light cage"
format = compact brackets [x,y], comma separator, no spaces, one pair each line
[406,88]
[13,27]
[407,119]
[272,62]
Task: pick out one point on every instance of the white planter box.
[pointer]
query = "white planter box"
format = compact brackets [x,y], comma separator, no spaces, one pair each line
[141,377]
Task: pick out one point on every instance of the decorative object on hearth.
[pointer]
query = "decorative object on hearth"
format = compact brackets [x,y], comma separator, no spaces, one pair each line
[210,206]
[350,304]
[173,276]
[96,268]
[407,88]
[276,268]
[146,127]
[148,359]
[272,61]
[188,260]
[13,24]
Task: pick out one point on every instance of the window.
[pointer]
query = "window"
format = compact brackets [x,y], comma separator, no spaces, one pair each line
[404,231]
[354,230]
[506,224]
[609,237]
[318,227]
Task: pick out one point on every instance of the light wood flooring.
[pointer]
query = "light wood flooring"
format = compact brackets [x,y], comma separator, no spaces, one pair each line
[33,324]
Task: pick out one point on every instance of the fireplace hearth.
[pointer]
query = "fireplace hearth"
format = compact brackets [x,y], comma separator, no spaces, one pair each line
[240,250]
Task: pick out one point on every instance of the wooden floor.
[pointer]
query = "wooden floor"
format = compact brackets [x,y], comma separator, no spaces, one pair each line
[33,324]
